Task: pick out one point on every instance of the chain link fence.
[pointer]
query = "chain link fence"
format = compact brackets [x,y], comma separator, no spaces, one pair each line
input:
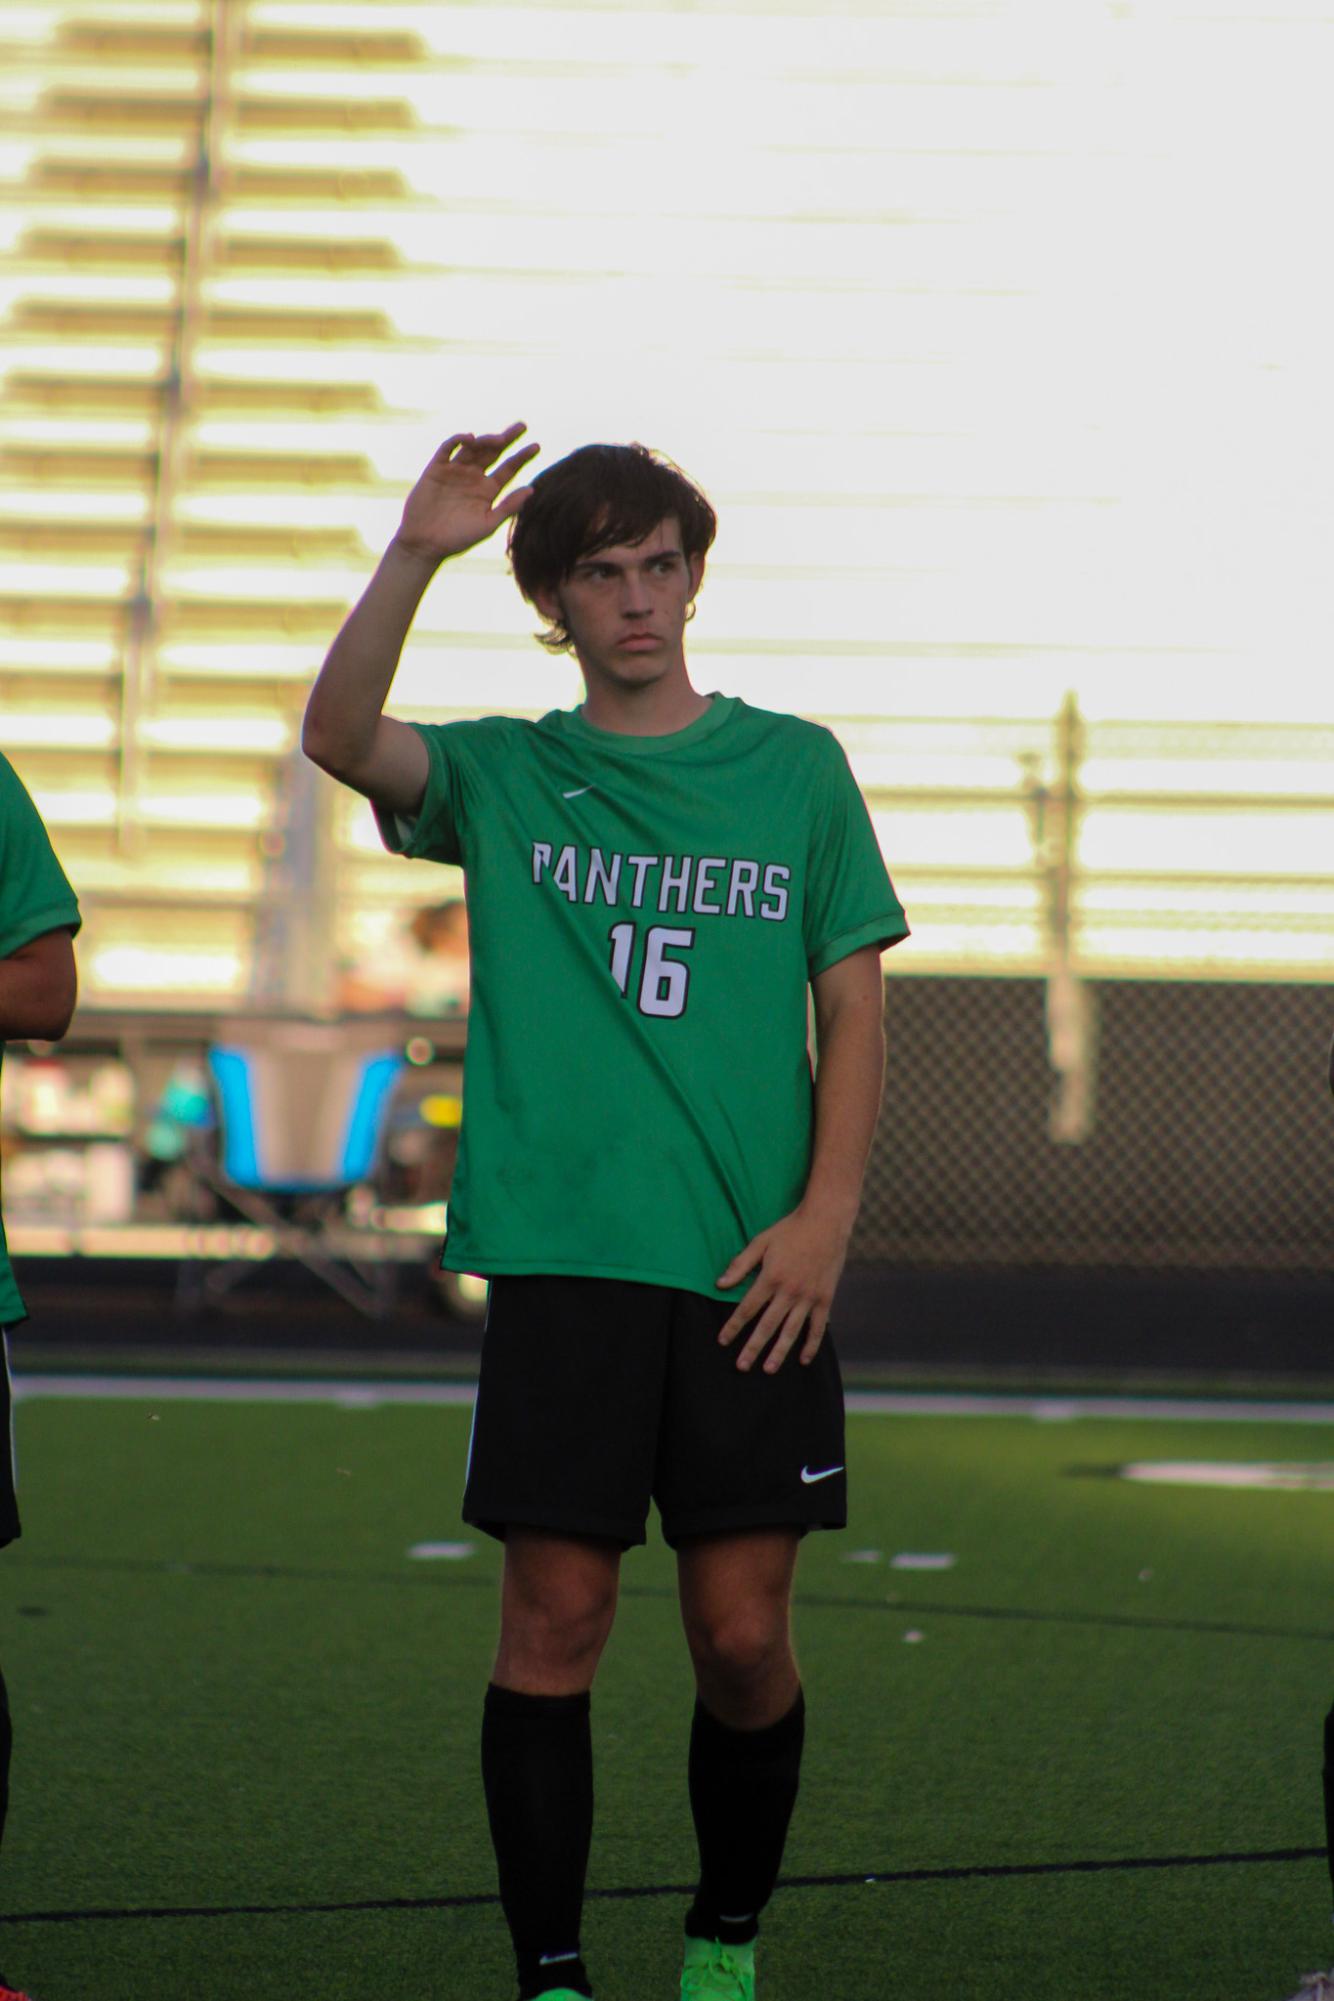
[1209,1141]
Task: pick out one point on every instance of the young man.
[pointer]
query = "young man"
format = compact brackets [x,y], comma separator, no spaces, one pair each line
[38,919]
[654,879]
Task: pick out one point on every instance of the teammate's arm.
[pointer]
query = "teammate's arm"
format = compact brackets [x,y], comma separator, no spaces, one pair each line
[459,500]
[801,1257]
[38,988]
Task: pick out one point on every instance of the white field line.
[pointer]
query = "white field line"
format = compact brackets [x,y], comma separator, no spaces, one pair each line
[29,1388]
[1064,1410]
[201,1389]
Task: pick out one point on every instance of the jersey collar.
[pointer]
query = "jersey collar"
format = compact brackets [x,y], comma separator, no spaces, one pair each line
[720,710]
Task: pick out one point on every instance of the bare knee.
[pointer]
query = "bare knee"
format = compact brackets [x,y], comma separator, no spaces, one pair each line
[735,1594]
[740,1649]
[556,1637]
[557,1607]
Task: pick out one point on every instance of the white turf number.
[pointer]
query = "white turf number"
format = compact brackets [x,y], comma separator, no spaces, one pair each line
[664,982]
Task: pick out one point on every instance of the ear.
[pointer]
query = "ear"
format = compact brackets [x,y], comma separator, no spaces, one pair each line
[548,604]
[696,568]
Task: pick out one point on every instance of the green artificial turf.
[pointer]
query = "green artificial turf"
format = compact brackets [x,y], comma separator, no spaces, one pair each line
[232,1687]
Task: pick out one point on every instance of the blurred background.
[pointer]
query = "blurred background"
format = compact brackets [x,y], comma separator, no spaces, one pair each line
[998,333]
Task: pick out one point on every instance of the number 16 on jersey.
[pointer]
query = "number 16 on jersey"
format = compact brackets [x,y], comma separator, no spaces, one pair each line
[664,982]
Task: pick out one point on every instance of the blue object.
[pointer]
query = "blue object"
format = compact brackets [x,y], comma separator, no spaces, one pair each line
[301,1121]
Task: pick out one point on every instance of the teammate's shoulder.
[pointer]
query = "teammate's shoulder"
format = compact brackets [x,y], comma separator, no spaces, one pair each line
[16,802]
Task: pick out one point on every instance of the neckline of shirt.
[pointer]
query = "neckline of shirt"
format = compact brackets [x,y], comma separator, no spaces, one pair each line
[720,710]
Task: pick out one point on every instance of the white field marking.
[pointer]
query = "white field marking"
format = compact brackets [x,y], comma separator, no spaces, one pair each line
[31,1385]
[1185,1410]
[912,1637]
[445,1552]
[865,1556]
[908,1559]
[195,1389]
[1289,1476]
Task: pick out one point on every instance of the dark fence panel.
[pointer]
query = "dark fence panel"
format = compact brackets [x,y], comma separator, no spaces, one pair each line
[1211,1145]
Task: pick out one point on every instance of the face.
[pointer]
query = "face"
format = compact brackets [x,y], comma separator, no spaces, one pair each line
[625,607]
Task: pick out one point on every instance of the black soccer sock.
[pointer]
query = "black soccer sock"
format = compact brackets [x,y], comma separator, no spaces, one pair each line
[1329,1792]
[537,1768]
[6,1746]
[743,1787]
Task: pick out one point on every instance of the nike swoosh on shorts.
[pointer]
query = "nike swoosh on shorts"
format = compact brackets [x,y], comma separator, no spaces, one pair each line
[808,1479]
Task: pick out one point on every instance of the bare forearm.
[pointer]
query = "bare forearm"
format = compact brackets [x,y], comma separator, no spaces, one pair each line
[35,1001]
[459,500]
[352,686]
[848,1083]
[800,1257]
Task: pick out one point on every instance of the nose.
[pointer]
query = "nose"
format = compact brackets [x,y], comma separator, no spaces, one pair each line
[635,600]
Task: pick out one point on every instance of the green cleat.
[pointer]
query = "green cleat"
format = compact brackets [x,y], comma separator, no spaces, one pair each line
[561,1994]
[716,1972]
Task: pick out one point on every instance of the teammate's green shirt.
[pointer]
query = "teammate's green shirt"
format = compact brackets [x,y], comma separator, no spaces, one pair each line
[35,896]
[644,916]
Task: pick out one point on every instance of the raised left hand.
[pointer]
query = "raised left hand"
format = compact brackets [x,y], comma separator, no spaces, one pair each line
[800,1260]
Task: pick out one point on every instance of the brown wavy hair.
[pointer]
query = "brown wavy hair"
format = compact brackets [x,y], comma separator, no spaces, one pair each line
[598,497]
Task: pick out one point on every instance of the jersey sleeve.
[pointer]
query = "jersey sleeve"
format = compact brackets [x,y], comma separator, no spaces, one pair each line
[35,895]
[438,831]
[850,900]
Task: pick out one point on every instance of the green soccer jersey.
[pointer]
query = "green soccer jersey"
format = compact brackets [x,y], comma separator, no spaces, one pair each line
[34,897]
[644,914]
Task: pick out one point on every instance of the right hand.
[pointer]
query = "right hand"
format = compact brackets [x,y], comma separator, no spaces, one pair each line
[459,500]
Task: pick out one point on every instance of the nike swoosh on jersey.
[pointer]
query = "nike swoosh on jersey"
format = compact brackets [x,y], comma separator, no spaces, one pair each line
[808,1479]
[578,792]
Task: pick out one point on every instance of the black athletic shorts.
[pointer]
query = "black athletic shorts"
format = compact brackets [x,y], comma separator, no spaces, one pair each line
[9,1507]
[598,1394]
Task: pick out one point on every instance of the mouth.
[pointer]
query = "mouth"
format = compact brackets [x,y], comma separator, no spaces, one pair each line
[639,640]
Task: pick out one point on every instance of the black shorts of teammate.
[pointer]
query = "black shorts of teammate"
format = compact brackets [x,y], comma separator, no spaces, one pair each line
[9,1507]
[596,1394]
